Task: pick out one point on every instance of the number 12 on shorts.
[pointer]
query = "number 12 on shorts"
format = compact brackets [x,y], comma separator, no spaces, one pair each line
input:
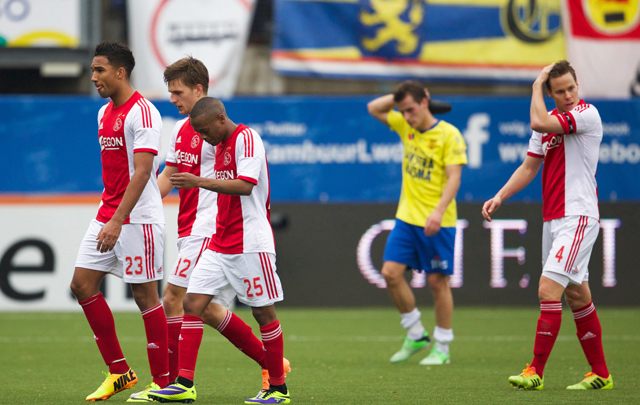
[255,289]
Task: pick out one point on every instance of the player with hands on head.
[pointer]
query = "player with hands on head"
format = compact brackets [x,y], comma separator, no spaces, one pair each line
[241,253]
[567,140]
[129,227]
[424,234]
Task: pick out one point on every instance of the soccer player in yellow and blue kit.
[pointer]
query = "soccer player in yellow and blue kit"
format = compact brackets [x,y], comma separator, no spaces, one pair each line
[424,235]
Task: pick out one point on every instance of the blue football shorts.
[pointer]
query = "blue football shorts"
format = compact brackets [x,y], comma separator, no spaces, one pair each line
[407,244]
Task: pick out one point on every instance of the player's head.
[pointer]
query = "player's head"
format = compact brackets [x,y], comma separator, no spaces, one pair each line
[412,100]
[209,119]
[562,86]
[187,81]
[112,65]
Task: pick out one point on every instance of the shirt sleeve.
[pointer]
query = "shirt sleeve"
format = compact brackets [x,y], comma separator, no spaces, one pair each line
[250,154]
[584,119]
[397,123]
[171,153]
[535,145]
[146,125]
[455,149]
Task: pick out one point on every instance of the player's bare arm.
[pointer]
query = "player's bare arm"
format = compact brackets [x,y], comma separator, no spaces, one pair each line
[434,220]
[380,107]
[229,187]
[164,180]
[518,181]
[108,236]
[541,121]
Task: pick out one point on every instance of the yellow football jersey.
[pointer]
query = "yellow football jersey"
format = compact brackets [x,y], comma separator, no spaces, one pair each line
[423,168]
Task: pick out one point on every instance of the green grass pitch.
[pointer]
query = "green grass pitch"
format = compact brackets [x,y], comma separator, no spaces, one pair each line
[338,356]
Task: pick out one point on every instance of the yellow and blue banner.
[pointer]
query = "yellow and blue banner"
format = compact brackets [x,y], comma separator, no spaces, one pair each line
[486,39]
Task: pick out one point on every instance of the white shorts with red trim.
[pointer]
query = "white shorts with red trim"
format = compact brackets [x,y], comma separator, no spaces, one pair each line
[190,249]
[567,243]
[136,257]
[252,276]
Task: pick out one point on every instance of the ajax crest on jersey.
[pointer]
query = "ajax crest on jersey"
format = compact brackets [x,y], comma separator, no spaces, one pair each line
[118,124]
[195,141]
[227,158]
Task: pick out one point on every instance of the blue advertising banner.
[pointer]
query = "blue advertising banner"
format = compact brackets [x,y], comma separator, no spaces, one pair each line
[320,149]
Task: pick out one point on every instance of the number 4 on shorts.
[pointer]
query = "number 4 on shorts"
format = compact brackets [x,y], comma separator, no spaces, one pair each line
[559,254]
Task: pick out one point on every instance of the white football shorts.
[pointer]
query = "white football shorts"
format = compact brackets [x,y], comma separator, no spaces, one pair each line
[136,257]
[190,249]
[567,243]
[252,276]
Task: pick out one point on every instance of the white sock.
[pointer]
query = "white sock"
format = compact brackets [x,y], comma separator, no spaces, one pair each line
[411,322]
[442,337]
[443,347]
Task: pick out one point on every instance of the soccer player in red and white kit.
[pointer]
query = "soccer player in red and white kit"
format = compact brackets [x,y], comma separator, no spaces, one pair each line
[241,253]
[567,140]
[127,237]
[188,82]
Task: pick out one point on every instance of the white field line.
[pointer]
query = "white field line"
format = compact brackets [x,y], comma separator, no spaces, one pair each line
[314,339]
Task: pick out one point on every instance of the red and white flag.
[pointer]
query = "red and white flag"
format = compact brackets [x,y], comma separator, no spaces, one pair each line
[163,31]
[603,45]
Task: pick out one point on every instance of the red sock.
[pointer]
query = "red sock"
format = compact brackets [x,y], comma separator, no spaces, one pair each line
[274,349]
[546,333]
[589,332]
[191,337]
[174,324]
[101,321]
[155,325]
[242,337]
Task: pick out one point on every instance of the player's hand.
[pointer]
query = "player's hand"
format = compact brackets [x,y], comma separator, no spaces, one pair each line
[544,74]
[184,180]
[432,225]
[490,207]
[108,236]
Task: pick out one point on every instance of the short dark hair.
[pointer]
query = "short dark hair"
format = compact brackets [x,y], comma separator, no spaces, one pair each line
[209,106]
[560,69]
[190,71]
[410,87]
[118,54]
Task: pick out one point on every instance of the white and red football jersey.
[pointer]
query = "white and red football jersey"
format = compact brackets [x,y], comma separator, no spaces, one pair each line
[135,126]
[243,222]
[570,162]
[190,154]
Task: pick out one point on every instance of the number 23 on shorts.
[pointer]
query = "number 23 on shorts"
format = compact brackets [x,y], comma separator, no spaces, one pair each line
[255,289]
[130,262]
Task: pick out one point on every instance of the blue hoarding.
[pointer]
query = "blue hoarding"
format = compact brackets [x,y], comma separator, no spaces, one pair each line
[320,149]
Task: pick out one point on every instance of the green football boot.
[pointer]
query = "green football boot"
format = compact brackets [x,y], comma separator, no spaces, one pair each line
[410,347]
[593,382]
[271,396]
[528,380]
[113,384]
[174,393]
[143,396]
[436,358]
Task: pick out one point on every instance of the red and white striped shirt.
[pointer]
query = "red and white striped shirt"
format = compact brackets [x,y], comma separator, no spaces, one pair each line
[242,224]
[190,154]
[570,162]
[133,127]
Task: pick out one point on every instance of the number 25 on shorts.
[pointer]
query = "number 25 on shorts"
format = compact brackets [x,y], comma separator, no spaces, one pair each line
[257,287]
